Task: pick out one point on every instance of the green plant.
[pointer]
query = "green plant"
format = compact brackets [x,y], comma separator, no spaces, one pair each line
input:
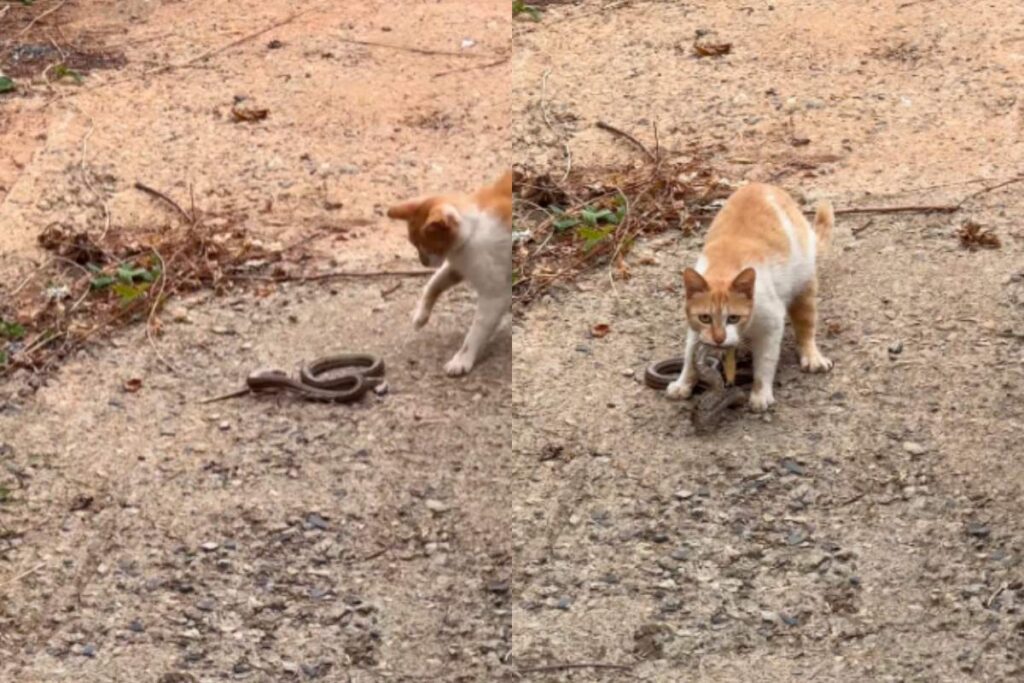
[128,282]
[593,225]
[5,494]
[520,7]
[62,71]
[12,331]
[6,84]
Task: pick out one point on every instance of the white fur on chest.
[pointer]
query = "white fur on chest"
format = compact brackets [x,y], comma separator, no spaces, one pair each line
[483,254]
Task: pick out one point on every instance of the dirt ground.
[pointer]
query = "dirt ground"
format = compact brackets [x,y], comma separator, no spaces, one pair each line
[870,528]
[145,537]
[548,510]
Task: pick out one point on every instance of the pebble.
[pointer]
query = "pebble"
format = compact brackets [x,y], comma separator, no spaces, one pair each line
[815,103]
[210,546]
[436,505]
[179,314]
[136,626]
[978,530]
[224,426]
[564,603]
[89,650]
[914,448]
[221,329]
[315,521]
[683,494]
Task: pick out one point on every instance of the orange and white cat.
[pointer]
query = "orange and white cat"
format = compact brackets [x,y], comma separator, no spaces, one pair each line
[470,238]
[758,266]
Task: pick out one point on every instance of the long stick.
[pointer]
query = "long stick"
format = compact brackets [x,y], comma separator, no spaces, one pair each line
[623,134]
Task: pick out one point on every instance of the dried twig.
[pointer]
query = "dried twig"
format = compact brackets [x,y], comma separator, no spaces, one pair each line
[499,62]
[28,572]
[160,195]
[990,188]
[415,50]
[157,302]
[623,134]
[385,293]
[935,208]
[335,274]
[580,665]
[547,120]
[40,16]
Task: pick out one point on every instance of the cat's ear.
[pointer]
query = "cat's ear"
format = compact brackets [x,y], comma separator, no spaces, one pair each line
[744,283]
[405,210]
[443,220]
[694,282]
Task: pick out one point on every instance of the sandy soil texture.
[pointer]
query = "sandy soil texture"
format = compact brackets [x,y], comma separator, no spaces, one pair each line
[869,529]
[146,537]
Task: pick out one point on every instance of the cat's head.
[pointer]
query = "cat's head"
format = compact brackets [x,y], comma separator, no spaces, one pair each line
[719,311]
[433,226]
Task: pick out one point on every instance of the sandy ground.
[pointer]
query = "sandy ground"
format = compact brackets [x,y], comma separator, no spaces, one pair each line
[145,537]
[870,528]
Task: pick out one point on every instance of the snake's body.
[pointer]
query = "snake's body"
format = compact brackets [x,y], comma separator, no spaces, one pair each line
[364,373]
[715,398]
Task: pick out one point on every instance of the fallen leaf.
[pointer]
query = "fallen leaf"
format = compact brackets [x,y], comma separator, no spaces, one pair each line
[973,236]
[600,330]
[249,115]
[132,385]
[800,142]
[705,45]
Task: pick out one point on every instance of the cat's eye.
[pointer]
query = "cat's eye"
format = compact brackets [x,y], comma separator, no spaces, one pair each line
[732,319]
[704,318]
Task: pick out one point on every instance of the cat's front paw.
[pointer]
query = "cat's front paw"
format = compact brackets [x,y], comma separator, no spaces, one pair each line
[761,401]
[679,390]
[815,362]
[420,316]
[459,365]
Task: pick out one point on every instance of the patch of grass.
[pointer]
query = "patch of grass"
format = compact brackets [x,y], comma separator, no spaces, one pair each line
[521,7]
[6,84]
[62,71]
[12,331]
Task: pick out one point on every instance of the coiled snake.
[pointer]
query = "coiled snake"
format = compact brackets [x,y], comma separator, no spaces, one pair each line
[365,372]
[716,397]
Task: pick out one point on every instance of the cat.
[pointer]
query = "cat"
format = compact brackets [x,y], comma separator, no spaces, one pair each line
[467,237]
[757,267]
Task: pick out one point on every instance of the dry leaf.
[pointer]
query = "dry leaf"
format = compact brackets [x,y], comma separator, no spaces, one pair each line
[600,330]
[973,236]
[132,385]
[249,115]
[705,45]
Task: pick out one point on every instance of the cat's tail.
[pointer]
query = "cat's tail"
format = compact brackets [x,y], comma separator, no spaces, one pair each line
[824,218]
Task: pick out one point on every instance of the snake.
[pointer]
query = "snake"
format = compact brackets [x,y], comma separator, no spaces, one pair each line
[365,372]
[715,397]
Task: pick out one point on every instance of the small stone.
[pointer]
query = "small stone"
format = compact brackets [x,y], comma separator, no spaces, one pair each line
[136,626]
[436,506]
[210,546]
[769,617]
[206,605]
[914,448]
[498,587]
[224,426]
[564,603]
[222,330]
[381,389]
[179,314]
[815,103]
[89,650]
[683,494]
[978,530]
[315,521]
[896,348]
[796,537]
[627,372]
[680,554]
[793,467]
